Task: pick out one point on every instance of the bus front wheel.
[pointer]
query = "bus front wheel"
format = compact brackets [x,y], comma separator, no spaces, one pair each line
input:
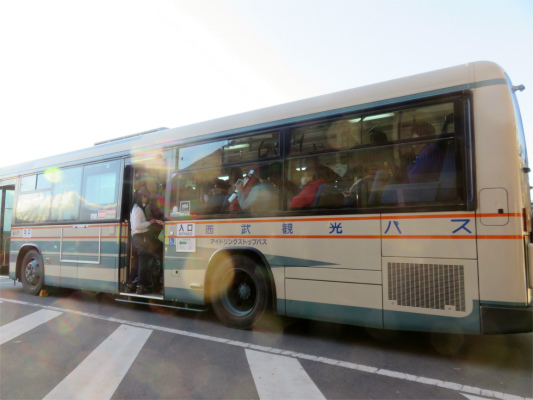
[239,292]
[32,274]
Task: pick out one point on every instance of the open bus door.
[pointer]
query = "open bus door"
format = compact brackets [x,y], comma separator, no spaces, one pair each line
[6,213]
[149,174]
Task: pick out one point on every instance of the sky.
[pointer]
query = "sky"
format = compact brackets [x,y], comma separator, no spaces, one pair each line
[76,72]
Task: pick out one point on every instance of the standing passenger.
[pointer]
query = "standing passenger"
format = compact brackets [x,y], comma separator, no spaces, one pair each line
[142,242]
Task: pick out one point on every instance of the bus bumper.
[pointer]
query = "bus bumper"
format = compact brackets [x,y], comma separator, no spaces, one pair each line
[499,319]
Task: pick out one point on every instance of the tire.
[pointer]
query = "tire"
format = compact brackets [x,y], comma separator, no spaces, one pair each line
[239,292]
[32,272]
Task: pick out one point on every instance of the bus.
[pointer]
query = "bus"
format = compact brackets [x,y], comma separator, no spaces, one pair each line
[401,205]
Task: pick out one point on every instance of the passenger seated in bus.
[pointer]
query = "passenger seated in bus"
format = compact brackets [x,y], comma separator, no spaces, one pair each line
[312,179]
[371,169]
[263,197]
[215,200]
[429,157]
[249,181]
[327,173]
[143,243]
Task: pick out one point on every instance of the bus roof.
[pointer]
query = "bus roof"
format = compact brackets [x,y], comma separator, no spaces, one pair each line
[461,77]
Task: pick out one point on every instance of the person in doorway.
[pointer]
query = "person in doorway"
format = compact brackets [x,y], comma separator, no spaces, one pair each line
[143,243]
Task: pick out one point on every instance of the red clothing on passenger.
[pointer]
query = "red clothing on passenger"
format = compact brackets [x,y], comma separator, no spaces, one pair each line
[307,196]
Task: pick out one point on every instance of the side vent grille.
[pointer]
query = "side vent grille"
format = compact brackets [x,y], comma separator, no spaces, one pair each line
[436,286]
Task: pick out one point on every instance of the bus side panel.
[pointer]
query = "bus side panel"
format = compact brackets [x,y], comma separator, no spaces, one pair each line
[346,303]
[502,264]
[47,241]
[428,294]
[435,235]
[90,257]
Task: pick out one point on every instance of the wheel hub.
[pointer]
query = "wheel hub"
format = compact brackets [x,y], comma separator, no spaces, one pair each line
[32,272]
[244,291]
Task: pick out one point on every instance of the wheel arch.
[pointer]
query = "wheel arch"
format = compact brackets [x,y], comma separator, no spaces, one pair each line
[22,252]
[253,254]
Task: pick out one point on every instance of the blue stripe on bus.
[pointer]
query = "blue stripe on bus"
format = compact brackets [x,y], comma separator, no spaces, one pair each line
[368,317]
[399,320]
[194,296]
[83,284]
[69,247]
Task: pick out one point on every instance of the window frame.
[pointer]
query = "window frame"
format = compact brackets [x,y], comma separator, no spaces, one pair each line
[119,185]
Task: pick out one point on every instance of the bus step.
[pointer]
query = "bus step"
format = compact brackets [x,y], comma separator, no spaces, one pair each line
[143,296]
[159,302]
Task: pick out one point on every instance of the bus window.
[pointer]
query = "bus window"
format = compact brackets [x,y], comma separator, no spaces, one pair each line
[33,207]
[336,135]
[100,191]
[436,115]
[66,194]
[201,156]
[253,147]
[28,183]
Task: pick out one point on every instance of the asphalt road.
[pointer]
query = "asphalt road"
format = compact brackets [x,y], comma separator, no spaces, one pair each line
[76,344]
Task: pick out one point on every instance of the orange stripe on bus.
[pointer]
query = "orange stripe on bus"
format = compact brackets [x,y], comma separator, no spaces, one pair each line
[64,226]
[279,237]
[243,221]
[351,237]
[66,237]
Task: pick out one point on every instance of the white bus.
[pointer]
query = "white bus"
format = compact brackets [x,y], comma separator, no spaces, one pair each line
[399,205]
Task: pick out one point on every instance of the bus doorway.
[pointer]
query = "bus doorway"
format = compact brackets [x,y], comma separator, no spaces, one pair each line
[150,181]
[6,211]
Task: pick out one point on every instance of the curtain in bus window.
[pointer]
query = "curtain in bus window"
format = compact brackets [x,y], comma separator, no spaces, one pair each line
[100,191]
[66,194]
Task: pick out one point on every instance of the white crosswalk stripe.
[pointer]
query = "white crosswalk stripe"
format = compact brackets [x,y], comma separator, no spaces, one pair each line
[98,376]
[107,371]
[280,377]
[13,329]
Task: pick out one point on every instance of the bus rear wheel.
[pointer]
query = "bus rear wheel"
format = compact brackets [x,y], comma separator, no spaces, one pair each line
[32,273]
[239,292]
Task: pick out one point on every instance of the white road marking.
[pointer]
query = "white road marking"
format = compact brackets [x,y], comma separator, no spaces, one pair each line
[472,397]
[98,376]
[280,377]
[22,325]
[359,367]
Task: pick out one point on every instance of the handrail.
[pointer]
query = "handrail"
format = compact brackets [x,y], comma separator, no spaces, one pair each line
[4,250]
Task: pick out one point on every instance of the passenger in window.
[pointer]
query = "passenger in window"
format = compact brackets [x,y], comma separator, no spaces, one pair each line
[312,179]
[248,182]
[263,197]
[327,173]
[429,157]
[215,201]
[370,170]
[143,243]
